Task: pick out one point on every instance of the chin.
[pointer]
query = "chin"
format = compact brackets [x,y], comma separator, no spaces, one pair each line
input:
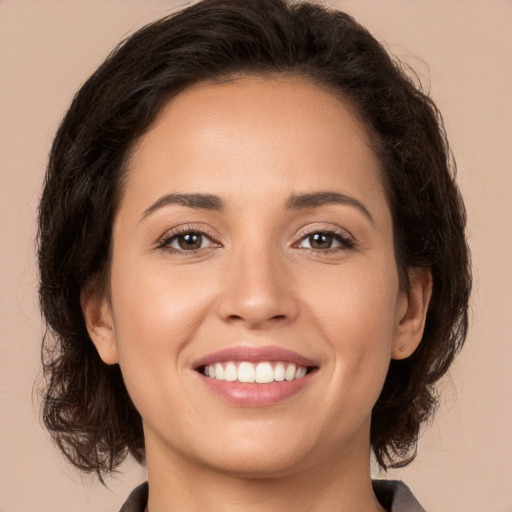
[259,463]
[259,455]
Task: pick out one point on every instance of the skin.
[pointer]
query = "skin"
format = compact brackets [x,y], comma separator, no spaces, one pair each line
[255,281]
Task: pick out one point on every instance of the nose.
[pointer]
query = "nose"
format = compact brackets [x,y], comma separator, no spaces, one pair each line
[257,291]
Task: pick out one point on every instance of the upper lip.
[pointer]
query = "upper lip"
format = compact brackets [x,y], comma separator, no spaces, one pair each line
[254,355]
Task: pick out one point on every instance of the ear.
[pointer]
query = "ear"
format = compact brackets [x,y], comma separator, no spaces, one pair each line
[97,312]
[411,311]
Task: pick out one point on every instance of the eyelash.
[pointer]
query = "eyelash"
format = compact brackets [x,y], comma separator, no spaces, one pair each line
[168,238]
[346,241]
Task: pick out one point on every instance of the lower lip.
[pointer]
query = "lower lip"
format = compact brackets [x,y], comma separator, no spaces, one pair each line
[253,394]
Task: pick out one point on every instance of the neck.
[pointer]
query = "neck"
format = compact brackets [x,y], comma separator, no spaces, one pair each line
[342,484]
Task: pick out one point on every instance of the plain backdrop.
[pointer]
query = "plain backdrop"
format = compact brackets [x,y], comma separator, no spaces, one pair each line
[461,49]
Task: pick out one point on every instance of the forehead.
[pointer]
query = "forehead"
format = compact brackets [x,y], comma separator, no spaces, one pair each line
[254,135]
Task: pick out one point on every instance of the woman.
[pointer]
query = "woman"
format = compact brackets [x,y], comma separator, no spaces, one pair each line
[253,263]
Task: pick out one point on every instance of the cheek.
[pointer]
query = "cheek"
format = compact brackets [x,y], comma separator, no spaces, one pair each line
[154,305]
[356,304]
[156,313]
[355,312]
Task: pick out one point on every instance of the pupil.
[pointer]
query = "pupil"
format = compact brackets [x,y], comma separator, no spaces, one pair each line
[190,241]
[320,241]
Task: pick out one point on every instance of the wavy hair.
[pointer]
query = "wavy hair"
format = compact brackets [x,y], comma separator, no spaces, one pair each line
[85,404]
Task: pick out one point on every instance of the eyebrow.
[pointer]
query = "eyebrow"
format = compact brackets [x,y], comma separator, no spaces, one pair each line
[315,199]
[196,201]
[294,202]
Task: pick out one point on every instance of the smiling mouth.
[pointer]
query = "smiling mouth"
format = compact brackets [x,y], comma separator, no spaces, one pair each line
[248,376]
[263,372]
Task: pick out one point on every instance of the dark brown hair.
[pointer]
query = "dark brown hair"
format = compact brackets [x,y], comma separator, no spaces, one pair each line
[85,404]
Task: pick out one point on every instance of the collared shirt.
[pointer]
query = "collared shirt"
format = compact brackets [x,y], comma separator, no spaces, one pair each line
[394,496]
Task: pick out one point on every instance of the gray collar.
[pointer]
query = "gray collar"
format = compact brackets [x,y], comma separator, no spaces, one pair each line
[393,495]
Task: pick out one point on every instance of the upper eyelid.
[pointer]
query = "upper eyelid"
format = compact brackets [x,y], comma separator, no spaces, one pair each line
[303,233]
[345,238]
[331,230]
[181,230]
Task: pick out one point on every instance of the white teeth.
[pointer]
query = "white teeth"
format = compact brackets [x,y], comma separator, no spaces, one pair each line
[246,372]
[301,372]
[230,372]
[264,373]
[219,371]
[279,372]
[261,373]
[289,374]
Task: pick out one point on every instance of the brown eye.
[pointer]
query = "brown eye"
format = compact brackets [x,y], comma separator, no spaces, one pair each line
[320,241]
[325,240]
[190,241]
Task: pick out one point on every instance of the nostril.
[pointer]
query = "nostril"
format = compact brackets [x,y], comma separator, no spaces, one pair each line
[254,305]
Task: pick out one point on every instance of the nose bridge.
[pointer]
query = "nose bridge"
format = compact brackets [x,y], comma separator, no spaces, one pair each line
[256,287]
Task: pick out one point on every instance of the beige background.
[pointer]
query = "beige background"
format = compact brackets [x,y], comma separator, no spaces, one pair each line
[48,48]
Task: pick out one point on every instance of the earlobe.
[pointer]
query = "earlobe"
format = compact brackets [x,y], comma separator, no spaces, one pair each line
[97,313]
[412,313]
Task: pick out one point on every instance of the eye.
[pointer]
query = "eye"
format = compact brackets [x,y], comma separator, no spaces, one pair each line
[189,241]
[325,240]
[186,240]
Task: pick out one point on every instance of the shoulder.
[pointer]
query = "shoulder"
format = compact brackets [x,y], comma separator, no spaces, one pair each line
[395,496]
[137,500]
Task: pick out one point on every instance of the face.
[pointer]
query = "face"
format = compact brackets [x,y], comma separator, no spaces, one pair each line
[254,299]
